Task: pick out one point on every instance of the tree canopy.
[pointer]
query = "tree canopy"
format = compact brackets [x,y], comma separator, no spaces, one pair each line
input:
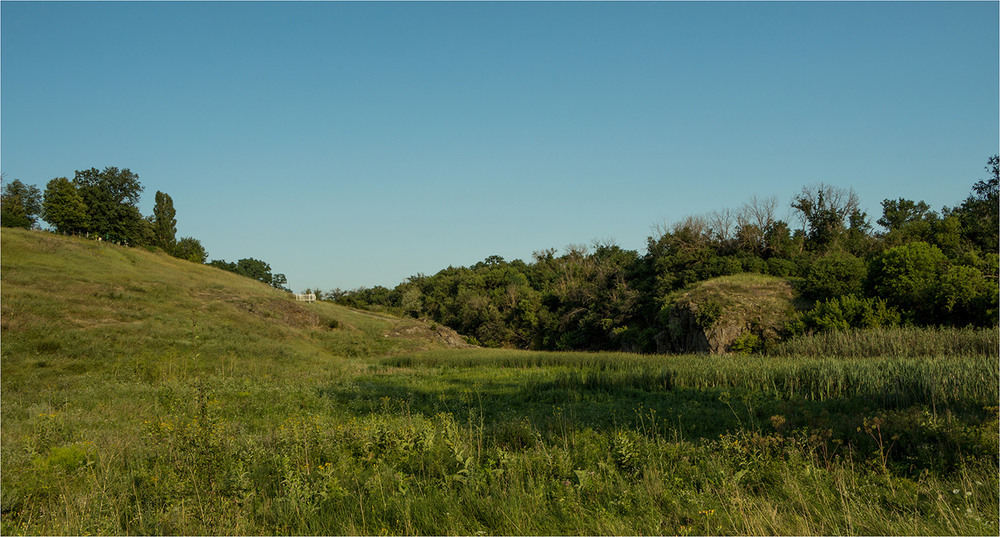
[64,207]
[20,204]
[112,196]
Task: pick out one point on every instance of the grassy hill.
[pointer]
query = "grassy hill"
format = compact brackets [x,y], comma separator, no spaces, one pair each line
[141,394]
[96,336]
[73,305]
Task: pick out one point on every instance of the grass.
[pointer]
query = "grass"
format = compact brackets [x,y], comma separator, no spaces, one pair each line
[894,342]
[147,395]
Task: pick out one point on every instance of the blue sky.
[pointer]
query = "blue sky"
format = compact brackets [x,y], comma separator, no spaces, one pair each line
[357,144]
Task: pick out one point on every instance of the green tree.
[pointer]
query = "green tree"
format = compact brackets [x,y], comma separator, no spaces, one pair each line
[966,297]
[908,277]
[223,264]
[164,222]
[254,269]
[833,275]
[63,206]
[278,281]
[899,212]
[824,209]
[20,204]
[980,212]
[191,249]
[112,196]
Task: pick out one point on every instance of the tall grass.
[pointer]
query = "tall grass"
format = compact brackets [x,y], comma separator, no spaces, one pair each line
[894,342]
[902,380]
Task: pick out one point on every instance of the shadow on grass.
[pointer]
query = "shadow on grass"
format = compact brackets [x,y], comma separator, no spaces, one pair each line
[556,405]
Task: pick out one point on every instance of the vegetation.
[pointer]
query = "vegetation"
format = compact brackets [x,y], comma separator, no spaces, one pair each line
[20,204]
[164,222]
[143,394]
[924,269]
[254,269]
[103,205]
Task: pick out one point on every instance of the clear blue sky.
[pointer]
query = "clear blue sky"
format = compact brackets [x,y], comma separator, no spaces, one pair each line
[352,144]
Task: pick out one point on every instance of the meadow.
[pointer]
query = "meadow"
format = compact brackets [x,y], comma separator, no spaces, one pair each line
[142,394]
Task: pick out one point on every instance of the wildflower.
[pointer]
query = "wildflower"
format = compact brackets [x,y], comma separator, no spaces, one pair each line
[954,491]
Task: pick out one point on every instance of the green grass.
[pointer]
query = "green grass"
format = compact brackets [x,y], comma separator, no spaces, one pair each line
[893,342]
[146,395]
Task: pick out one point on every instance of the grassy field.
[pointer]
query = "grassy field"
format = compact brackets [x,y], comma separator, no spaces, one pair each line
[142,394]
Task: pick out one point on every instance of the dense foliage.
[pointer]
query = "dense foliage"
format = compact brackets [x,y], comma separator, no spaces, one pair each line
[924,268]
[19,205]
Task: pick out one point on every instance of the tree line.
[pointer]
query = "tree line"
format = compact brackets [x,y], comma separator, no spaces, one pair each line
[923,267]
[103,205]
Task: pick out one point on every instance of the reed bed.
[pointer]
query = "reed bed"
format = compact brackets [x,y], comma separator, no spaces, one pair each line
[894,342]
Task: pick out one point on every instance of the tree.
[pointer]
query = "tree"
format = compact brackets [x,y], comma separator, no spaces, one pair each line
[909,277]
[19,204]
[191,249]
[899,212]
[223,265]
[752,221]
[64,207]
[824,209]
[278,282]
[164,222]
[112,196]
[254,269]
[834,275]
[980,212]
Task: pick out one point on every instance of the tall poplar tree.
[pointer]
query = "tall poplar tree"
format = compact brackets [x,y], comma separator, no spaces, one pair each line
[165,222]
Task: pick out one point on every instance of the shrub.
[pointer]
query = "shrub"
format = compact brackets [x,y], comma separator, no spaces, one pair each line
[965,297]
[908,277]
[747,343]
[754,264]
[707,314]
[782,268]
[850,311]
[835,274]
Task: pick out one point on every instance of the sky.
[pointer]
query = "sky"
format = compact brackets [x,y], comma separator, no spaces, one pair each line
[358,144]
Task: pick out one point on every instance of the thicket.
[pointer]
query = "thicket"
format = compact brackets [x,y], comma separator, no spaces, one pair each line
[924,268]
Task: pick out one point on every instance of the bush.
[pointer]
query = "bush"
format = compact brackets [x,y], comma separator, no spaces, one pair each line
[850,311]
[782,268]
[754,264]
[965,297]
[908,277]
[835,274]
[707,314]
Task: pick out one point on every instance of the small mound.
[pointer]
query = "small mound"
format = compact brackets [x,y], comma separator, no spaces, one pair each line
[734,313]
[433,332]
[280,310]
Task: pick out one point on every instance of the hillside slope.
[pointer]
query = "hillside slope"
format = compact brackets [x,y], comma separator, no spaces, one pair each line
[74,306]
[101,342]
